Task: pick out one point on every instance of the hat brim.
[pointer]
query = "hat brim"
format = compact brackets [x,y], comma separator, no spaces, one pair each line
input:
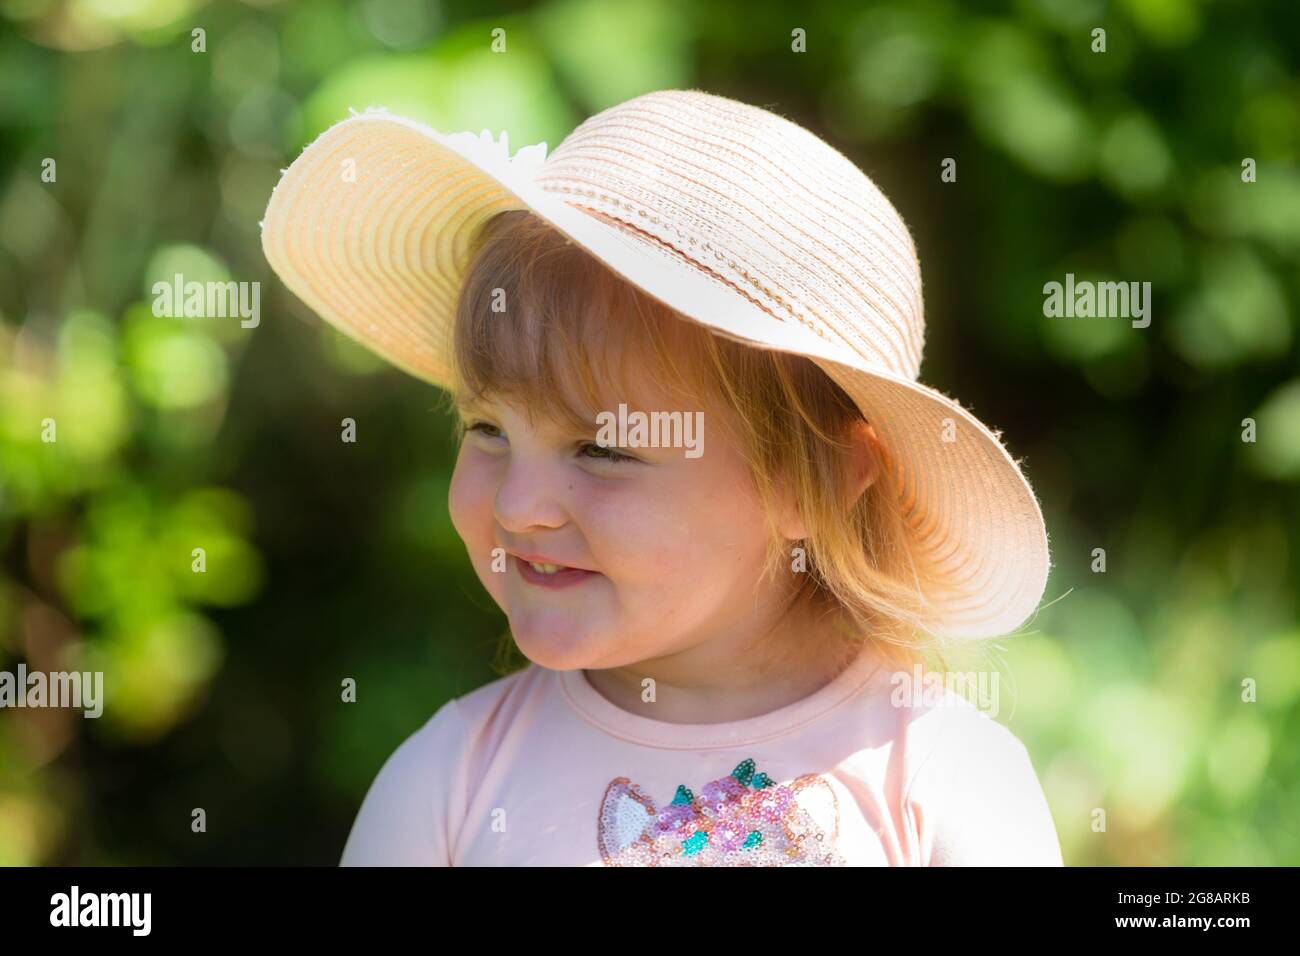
[372,227]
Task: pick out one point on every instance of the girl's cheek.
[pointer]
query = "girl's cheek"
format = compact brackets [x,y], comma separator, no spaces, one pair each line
[469,500]
[634,527]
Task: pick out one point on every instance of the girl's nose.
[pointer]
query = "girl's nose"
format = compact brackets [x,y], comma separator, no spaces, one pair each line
[530,495]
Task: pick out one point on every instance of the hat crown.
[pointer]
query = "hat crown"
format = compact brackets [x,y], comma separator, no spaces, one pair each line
[761,204]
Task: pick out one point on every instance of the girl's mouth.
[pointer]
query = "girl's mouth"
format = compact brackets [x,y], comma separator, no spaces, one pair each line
[551,575]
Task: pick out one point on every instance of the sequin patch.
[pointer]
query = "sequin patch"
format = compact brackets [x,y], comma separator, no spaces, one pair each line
[742,819]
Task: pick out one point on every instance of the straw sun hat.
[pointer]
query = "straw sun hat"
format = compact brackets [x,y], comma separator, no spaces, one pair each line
[731,215]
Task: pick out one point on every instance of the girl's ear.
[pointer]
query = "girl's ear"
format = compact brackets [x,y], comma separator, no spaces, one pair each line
[791,524]
[865,457]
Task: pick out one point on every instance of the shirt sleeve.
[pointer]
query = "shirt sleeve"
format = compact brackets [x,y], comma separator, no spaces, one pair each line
[976,800]
[405,818]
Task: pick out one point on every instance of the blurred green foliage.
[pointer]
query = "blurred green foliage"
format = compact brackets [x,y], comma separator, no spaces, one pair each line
[327,560]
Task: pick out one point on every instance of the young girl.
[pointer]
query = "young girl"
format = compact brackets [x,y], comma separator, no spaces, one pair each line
[728,528]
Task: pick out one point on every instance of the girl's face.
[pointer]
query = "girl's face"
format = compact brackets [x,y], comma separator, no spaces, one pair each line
[666,550]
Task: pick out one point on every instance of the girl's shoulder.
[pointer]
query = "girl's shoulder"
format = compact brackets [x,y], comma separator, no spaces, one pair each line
[971,785]
[451,732]
[937,712]
[502,699]
[951,733]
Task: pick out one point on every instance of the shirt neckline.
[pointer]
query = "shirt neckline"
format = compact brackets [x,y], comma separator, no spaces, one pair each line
[590,704]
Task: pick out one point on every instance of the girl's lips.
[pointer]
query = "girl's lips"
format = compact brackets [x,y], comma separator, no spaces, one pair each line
[566,577]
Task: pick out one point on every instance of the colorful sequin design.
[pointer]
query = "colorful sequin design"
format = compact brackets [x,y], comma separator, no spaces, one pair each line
[742,819]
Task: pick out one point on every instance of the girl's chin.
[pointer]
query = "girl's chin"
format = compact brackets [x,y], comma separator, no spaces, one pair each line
[557,645]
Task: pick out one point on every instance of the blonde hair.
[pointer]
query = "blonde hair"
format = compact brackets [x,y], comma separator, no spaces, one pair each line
[790,421]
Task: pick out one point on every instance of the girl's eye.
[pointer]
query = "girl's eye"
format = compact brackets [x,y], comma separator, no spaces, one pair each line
[601,453]
[588,449]
[490,431]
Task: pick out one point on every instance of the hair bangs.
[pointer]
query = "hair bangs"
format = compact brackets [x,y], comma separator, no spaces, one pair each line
[544,326]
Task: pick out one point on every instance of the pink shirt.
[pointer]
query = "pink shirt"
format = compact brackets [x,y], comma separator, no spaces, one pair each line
[538,769]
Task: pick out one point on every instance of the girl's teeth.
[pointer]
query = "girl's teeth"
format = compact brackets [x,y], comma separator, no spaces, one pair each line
[544,568]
